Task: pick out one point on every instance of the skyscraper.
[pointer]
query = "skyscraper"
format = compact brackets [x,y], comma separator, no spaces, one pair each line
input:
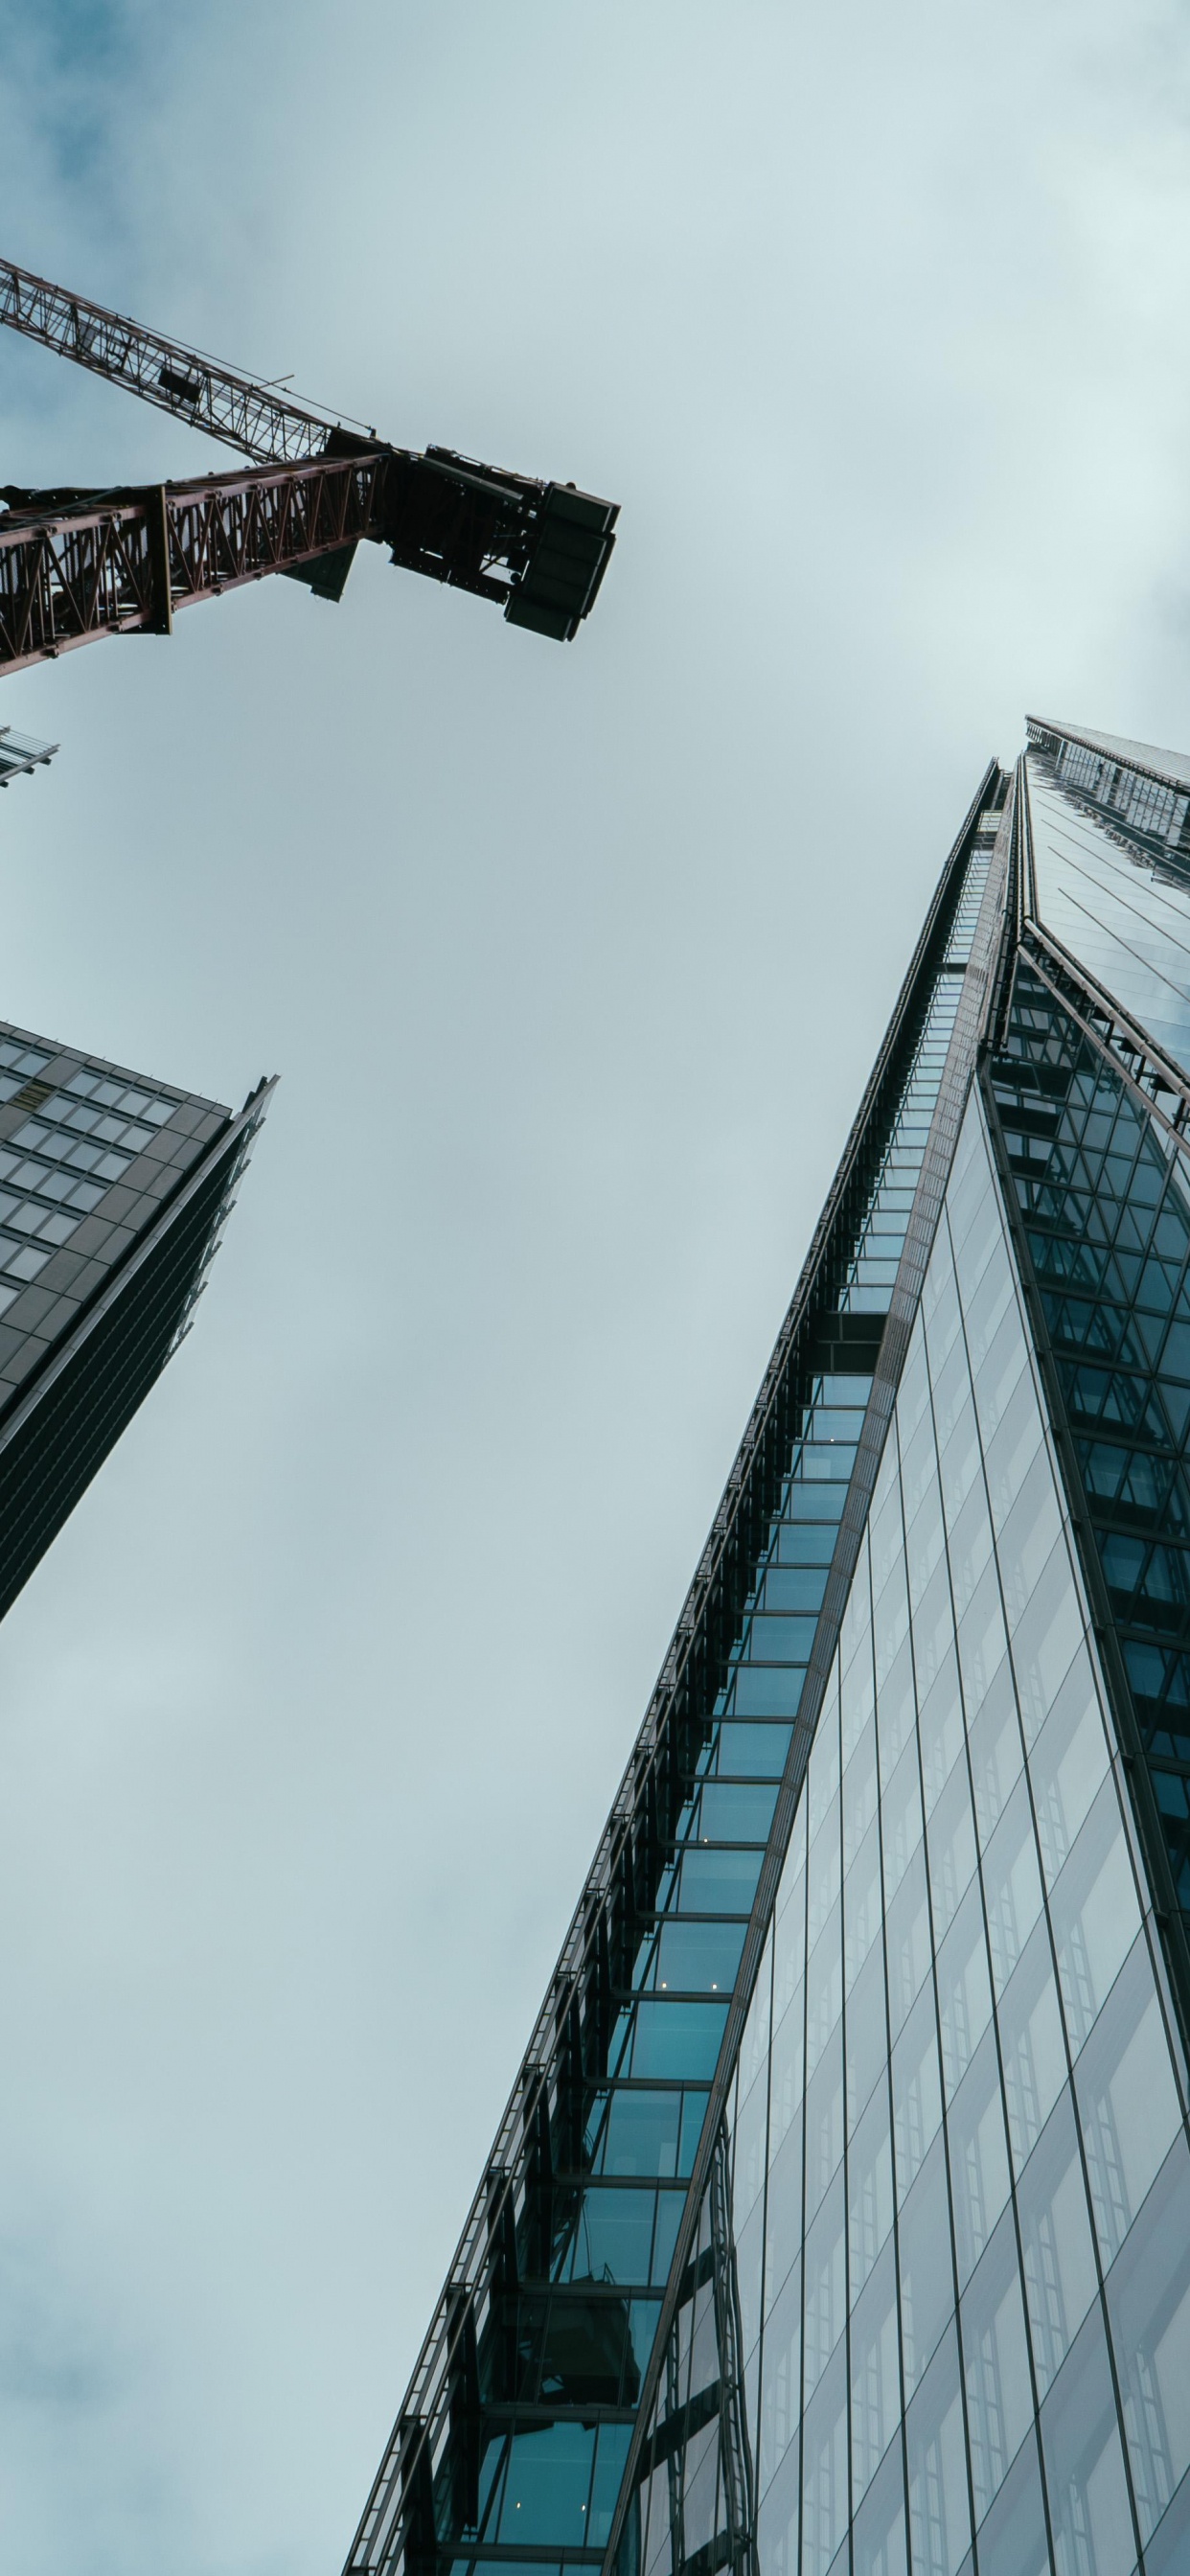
[840,2217]
[114,1189]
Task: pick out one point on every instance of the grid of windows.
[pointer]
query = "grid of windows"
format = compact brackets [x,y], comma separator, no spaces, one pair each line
[1148,805]
[958,2214]
[57,1166]
[874,1269]
[1106,1212]
[1112,904]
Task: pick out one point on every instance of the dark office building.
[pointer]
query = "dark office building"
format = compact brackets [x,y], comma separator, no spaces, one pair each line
[839,2223]
[113,1193]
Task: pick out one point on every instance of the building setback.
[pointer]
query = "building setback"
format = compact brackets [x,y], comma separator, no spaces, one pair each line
[839,2222]
[113,1193]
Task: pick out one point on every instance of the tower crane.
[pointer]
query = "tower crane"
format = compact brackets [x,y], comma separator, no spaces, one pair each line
[78,564]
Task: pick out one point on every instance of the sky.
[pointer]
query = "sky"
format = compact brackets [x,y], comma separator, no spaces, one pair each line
[572,962]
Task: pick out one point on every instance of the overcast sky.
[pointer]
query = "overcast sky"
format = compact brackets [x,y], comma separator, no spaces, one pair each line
[572,962]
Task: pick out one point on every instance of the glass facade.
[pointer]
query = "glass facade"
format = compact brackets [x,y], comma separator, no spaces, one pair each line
[1113,887]
[955,2135]
[114,1190]
[839,2224]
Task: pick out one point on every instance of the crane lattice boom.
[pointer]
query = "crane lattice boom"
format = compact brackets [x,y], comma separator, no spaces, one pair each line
[76,565]
[268,427]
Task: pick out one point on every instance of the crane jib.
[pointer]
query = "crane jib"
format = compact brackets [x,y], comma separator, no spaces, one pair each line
[538,549]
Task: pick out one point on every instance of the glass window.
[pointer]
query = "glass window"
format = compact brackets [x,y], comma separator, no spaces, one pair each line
[869,2187]
[611,2453]
[982,1639]
[1068,1762]
[1033,2044]
[866,2032]
[1028,1537]
[978,2155]
[939,2506]
[925,1542]
[1010,1453]
[964,1989]
[824,2471]
[717,1882]
[875,2374]
[794,1588]
[863,1904]
[859,1791]
[824,2119]
[612,2239]
[767,1690]
[896,1711]
[807,1542]
[645,2133]
[733,1811]
[787,2074]
[951,1840]
[960,1458]
[777,2524]
[900,1819]
[969,1545]
[995,2366]
[1095,1912]
[1047,1638]
[917,2090]
[1148,2297]
[700,1957]
[878,2538]
[1127,2100]
[927,2273]
[1012,1885]
[908,1939]
[1084,2464]
[750,1752]
[1060,2281]
[676,2039]
[1013,2540]
[825,2303]
[941,1730]
[783,2242]
[781,2387]
[547,2487]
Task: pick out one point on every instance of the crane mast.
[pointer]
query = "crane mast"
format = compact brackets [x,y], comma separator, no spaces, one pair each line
[78,564]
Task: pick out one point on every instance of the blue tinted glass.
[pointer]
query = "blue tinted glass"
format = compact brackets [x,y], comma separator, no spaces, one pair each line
[676,2039]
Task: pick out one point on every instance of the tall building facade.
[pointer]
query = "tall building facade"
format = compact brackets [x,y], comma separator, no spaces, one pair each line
[114,1191]
[839,2222]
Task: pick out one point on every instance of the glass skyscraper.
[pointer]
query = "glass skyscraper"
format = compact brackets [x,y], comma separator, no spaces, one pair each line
[839,2222]
[114,1190]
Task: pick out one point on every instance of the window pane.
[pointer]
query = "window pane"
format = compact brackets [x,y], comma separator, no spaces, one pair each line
[996,2366]
[879,2538]
[939,2510]
[1095,1912]
[875,2373]
[1060,2281]
[781,2384]
[917,2090]
[927,2277]
[1148,2296]
[1034,2048]
[1084,2464]
[1013,2541]
[869,2187]
[1127,2100]
[978,2155]
[964,1990]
